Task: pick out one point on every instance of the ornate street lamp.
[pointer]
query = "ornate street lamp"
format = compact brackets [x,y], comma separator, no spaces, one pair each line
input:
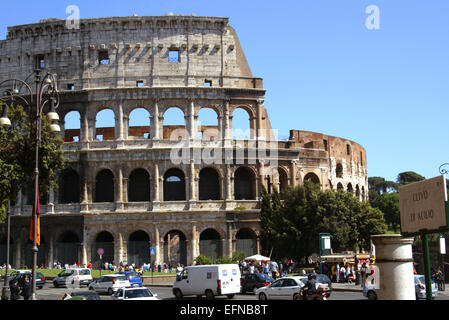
[444,170]
[46,92]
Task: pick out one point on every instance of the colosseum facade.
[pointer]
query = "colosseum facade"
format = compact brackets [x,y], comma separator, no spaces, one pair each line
[125,189]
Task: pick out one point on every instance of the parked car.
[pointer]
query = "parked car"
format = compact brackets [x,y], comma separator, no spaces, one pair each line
[134,293]
[73,276]
[369,290]
[20,276]
[135,279]
[252,282]
[88,295]
[420,287]
[109,283]
[286,288]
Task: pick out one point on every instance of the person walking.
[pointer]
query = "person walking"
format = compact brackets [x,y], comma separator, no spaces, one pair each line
[26,289]
[337,272]
[15,290]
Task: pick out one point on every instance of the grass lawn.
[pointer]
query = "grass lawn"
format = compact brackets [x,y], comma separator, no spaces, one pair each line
[95,273]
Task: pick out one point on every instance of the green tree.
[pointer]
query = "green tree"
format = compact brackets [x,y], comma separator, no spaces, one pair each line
[17,154]
[388,203]
[307,211]
[409,177]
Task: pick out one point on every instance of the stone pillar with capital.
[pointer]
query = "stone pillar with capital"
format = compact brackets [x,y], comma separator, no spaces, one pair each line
[119,190]
[394,261]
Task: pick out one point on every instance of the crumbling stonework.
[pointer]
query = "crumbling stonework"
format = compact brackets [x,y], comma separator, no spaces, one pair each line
[124,192]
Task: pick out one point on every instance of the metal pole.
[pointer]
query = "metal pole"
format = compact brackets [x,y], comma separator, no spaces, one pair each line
[8,232]
[36,186]
[427,273]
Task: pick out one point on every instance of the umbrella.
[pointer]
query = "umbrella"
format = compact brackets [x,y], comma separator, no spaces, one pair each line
[257,257]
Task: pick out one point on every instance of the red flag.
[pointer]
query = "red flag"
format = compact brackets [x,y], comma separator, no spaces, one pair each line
[38,227]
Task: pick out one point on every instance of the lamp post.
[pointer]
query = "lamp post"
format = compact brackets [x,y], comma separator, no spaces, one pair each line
[46,92]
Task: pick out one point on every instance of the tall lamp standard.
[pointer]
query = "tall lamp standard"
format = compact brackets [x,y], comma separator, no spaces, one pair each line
[46,92]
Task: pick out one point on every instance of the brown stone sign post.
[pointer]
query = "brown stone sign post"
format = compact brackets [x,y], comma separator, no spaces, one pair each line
[423,210]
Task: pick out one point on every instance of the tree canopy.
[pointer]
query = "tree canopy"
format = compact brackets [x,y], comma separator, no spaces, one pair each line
[17,154]
[292,228]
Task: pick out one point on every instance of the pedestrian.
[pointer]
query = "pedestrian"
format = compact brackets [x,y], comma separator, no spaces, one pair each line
[15,290]
[342,273]
[89,265]
[26,289]
[337,272]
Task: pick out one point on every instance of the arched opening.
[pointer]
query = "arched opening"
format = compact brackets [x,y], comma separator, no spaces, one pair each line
[104,240]
[209,186]
[211,244]
[241,124]
[244,184]
[357,191]
[139,248]
[67,248]
[174,185]
[312,177]
[105,125]
[340,187]
[41,254]
[208,127]
[350,189]
[278,180]
[339,170]
[139,186]
[174,124]
[104,186]
[363,194]
[139,123]
[69,190]
[175,248]
[246,241]
[3,245]
[72,126]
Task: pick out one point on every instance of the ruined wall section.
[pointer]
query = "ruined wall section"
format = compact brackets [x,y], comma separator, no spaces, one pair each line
[137,50]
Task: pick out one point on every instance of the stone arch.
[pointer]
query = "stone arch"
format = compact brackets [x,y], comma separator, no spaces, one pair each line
[350,189]
[174,188]
[340,187]
[208,129]
[104,186]
[357,191]
[312,177]
[244,184]
[339,170]
[139,185]
[139,248]
[105,124]
[69,186]
[211,244]
[104,240]
[242,129]
[67,247]
[246,241]
[173,123]
[139,124]
[175,247]
[72,125]
[209,184]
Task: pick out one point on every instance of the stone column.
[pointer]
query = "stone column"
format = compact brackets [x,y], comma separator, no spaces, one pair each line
[194,244]
[227,130]
[158,257]
[84,128]
[191,121]
[155,126]
[230,239]
[394,261]
[119,190]
[119,122]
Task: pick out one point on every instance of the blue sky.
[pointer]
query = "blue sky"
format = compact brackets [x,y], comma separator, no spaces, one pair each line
[324,71]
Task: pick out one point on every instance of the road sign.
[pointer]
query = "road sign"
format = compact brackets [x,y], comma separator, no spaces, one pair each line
[100,251]
[152,251]
[423,206]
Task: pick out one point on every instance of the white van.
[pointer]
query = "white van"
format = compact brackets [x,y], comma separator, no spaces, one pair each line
[73,277]
[208,280]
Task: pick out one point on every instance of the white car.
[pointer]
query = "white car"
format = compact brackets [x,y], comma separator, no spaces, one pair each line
[133,293]
[109,283]
[73,277]
[282,289]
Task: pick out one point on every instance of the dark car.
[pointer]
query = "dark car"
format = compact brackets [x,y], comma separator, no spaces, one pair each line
[134,278]
[20,277]
[252,282]
[89,295]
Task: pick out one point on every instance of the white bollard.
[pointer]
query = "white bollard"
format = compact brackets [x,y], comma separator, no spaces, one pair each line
[394,260]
